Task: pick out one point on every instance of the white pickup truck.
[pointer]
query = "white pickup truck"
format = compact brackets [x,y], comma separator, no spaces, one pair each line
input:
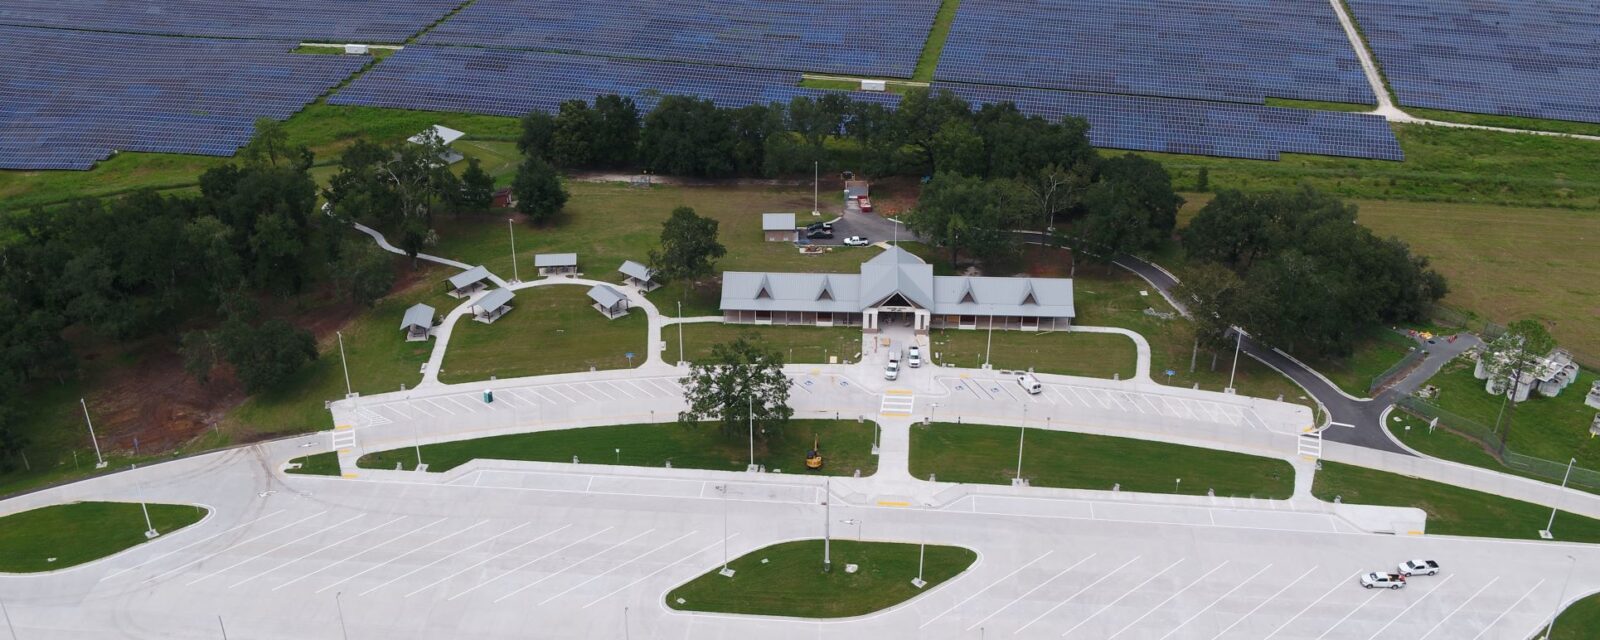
[1383,581]
[1419,567]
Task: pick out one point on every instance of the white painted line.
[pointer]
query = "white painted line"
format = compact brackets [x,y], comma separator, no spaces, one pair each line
[233,546]
[1363,605]
[543,399]
[1314,603]
[980,592]
[602,574]
[1133,402]
[1214,603]
[1458,608]
[439,406]
[1170,598]
[1414,603]
[1080,592]
[325,548]
[1514,605]
[579,390]
[200,541]
[488,560]
[653,573]
[471,408]
[453,554]
[1030,591]
[418,409]
[358,553]
[640,389]
[1129,592]
[585,559]
[1052,389]
[391,407]
[263,553]
[1274,596]
[600,391]
[552,389]
[530,563]
[403,555]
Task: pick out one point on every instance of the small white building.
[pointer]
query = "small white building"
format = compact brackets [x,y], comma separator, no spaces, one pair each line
[779,227]
[1594,395]
[1549,376]
[492,305]
[447,136]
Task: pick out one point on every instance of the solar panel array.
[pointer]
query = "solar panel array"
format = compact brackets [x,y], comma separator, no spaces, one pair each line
[1234,51]
[1201,128]
[342,21]
[871,38]
[1531,58]
[512,83]
[69,98]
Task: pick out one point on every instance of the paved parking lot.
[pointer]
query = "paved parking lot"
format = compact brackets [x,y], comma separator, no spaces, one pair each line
[1069,397]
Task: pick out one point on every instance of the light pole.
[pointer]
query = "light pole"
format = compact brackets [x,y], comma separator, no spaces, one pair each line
[219,625]
[1546,534]
[7,613]
[726,572]
[149,528]
[344,364]
[1238,342]
[988,345]
[680,332]
[815,179]
[416,439]
[827,525]
[100,463]
[1572,563]
[750,407]
[922,553]
[513,229]
[343,631]
[1021,436]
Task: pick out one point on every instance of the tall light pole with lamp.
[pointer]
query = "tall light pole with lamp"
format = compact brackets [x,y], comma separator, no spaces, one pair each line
[1549,526]
[515,277]
[1021,437]
[1572,563]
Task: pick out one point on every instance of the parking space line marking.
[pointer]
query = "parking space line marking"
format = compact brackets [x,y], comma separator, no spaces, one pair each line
[358,553]
[602,574]
[1514,605]
[511,398]
[1057,392]
[1132,401]
[1080,397]
[418,409]
[488,560]
[403,555]
[233,546]
[391,407]
[1080,592]
[438,406]
[585,559]
[325,548]
[1214,603]
[1363,605]
[1314,603]
[986,589]
[653,573]
[529,563]
[598,390]
[1030,591]
[468,407]
[1170,598]
[1274,596]
[640,389]
[251,558]
[1414,603]
[578,390]
[1129,592]
[1458,608]
[567,398]
[200,541]
[452,554]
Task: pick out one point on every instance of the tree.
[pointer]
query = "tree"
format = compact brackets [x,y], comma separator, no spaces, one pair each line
[687,136]
[267,354]
[538,129]
[1131,208]
[1507,359]
[967,213]
[477,187]
[753,126]
[689,247]
[572,144]
[270,147]
[1209,292]
[1055,188]
[921,115]
[957,148]
[363,273]
[735,378]
[540,194]
[616,133]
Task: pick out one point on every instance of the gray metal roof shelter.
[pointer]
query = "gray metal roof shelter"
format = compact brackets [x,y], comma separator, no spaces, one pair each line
[635,270]
[606,296]
[777,222]
[547,260]
[468,277]
[494,299]
[419,315]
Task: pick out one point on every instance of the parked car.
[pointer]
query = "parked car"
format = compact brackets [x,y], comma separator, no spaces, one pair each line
[819,233]
[1419,567]
[1383,581]
[914,356]
[866,204]
[820,225]
[1030,384]
[892,372]
[857,241]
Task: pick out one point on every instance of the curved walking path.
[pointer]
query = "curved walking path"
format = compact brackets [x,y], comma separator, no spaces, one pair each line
[1141,369]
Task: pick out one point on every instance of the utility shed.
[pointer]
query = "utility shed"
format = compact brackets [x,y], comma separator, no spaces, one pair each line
[778,227]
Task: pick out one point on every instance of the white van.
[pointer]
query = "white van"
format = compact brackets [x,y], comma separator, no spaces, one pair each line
[1030,384]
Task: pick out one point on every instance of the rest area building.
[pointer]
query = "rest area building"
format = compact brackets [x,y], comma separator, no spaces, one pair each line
[897,288]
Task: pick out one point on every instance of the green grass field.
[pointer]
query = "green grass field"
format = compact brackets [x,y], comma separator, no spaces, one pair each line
[320,464]
[1507,122]
[1550,428]
[1449,445]
[549,330]
[846,446]
[1451,510]
[1579,621]
[987,454]
[1375,355]
[787,579]
[81,532]
[798,344]
[1095,355]
[1320,106]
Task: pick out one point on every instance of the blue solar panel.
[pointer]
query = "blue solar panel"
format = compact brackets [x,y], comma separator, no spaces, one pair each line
[1235,51]
[341,21]
[513,83]
[69,98]
[1201,128]
[874,38]
[1530,58]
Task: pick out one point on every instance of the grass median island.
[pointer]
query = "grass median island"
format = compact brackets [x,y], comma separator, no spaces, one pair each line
[1445,444]
[846,447]
[987,454]
[1555,429]
[798,344]
[549,330]
[786,579]
[81,532]
[1579,621]
[1451,510]
[319,464]
[1094,355]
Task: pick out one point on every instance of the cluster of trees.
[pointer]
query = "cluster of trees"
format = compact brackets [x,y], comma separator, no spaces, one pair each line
[1296,270]
[401,186]
[741,386]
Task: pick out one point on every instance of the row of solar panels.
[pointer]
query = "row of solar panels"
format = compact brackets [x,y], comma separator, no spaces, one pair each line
[1239,51]
[300,20]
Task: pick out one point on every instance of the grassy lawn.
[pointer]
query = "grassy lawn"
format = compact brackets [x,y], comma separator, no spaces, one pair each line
[80,532]
[1451,510]
[549,330]
[380,360]
[1372,357]
[1319,105]
[846,446]
[1551,428]
[987,454]
[1449,445]
[1506,122]
[320,464]
[798,344]
[1579,621]
[942,21]
[1096,355]
[787,579]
